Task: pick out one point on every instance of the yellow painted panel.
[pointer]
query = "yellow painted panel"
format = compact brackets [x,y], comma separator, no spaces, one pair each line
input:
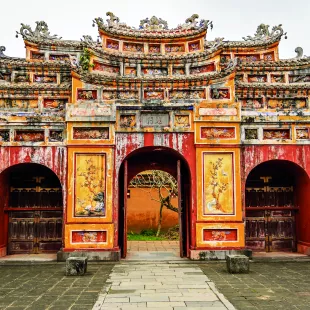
[90,185]
[218,184]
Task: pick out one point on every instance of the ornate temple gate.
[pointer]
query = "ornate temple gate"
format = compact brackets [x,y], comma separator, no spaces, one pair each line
[270,215]
[34,212]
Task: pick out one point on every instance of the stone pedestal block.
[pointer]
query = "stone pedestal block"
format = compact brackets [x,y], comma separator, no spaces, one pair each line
[237,264]
[76,266]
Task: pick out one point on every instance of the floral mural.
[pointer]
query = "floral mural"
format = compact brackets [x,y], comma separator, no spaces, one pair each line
[218,183]
[106,68]
[90,185]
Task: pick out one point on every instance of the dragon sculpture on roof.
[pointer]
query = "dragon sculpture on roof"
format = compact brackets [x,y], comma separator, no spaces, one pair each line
[41,32]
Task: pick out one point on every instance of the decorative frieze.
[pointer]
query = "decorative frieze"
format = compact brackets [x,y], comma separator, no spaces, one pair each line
[37,56]
[4,135]
[106,68]
[220,93]
[287,103]
[203,69]
[257,78]
[251,133]
[59,57]
[86,236]
[251,103]
[248,57]
[302,133]
[154,71]
[174,48]
[277,78]
[217,133]
[23,104]
[276,134]
[86,94]
[54,104]
[45,79]
[181,121]
[129,71]
[153,95]
[300,78]
[194,46]
[154,48]
[220,235]
[29,136]
[178,71]
[133,47]
[90,133]
[187,94]
[55,136]
[127,121]
[112,44]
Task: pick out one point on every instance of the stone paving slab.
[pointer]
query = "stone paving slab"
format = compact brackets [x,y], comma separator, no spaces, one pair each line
[160,286]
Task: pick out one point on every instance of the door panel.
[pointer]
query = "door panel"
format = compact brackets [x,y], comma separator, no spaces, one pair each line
[124,253]
[35,231]
[180,207]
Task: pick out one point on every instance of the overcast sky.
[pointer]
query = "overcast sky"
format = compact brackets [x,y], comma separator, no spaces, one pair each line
[232,19]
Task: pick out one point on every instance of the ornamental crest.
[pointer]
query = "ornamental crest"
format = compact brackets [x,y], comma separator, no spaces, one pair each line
[41,32]
[263,34]
[154,23]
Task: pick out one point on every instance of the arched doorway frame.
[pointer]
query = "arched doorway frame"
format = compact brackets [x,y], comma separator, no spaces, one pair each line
[175,167]
[302,179]
[4,190]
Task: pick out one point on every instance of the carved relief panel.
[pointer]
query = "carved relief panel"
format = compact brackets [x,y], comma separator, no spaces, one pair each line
[202,69]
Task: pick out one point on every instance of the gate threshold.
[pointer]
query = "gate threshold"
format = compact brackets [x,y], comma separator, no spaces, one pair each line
[29,258]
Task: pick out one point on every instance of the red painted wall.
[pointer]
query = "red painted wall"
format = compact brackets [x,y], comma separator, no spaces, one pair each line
[298,155]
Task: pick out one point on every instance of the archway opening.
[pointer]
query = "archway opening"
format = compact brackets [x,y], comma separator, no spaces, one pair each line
[149,159]
[31,210]
[277,207]
[152,202]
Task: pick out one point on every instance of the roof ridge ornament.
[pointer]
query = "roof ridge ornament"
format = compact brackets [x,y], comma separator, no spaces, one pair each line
[263,34]
[154,23]
[41,32]
[2,49]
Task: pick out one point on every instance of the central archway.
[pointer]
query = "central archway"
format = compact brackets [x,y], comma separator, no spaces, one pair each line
[156,158]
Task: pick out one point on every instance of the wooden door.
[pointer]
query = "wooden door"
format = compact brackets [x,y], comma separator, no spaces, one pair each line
[270,218]
[124,252]
[180,207]
[34,232]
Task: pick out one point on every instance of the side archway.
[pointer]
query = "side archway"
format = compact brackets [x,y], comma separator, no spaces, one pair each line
[31,210]
[277,197]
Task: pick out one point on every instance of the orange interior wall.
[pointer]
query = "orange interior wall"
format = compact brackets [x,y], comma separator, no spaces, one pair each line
[143,212]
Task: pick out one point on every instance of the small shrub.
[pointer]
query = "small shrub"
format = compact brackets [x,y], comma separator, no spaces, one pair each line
[148,232]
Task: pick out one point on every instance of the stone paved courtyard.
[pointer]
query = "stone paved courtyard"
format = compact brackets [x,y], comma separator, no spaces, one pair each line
[267,286]
[162,285]
[45,286]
